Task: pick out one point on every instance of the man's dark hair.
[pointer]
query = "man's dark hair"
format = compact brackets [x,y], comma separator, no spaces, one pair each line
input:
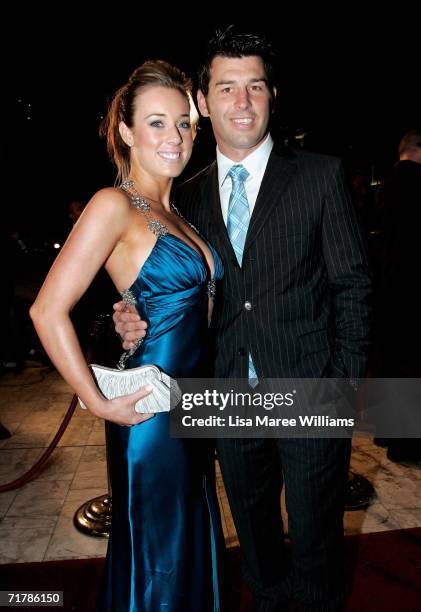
[233,43]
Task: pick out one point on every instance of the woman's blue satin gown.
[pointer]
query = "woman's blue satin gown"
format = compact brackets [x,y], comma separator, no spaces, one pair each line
[162,553]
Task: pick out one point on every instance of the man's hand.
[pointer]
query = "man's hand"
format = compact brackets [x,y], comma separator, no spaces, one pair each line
[128,324]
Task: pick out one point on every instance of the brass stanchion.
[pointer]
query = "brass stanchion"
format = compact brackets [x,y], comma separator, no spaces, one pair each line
[94,517]
[359,492]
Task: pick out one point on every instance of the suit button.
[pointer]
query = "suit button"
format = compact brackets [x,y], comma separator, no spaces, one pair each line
[241,352]
[248,306]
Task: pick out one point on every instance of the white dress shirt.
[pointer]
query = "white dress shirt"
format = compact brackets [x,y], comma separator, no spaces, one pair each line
[255,164]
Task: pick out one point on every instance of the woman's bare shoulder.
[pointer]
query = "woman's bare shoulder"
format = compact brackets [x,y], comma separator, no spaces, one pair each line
[110,203]
[110,196]
[108,212]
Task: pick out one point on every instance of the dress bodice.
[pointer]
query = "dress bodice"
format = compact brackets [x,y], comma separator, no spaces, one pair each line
[171,294]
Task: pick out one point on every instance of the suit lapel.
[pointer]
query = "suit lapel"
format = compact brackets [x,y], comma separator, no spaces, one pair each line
[217,225]
[279,170]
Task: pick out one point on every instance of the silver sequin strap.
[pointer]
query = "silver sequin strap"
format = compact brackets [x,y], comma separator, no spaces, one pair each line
[142,205]
[212,288]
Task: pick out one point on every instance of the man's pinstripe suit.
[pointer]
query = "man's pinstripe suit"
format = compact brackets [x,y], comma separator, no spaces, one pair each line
[305,274]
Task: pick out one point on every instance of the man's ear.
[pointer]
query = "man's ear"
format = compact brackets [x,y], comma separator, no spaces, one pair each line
[125,133]
[201,103]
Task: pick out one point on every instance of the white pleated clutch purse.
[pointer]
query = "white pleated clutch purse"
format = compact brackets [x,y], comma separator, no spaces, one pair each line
[114,383]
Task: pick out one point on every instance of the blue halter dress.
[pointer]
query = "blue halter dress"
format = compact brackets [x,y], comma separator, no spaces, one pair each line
[166,533]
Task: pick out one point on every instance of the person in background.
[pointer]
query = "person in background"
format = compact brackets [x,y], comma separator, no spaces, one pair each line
[74,210]
[399,334]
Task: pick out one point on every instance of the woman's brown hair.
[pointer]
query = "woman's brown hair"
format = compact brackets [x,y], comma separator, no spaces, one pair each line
[156,73]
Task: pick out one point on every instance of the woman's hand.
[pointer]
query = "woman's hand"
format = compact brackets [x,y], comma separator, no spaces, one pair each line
[121,410]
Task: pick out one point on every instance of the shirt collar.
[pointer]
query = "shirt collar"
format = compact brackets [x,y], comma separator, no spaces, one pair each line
[255,163]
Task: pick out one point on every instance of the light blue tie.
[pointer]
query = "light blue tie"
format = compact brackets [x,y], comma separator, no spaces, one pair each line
[237,225]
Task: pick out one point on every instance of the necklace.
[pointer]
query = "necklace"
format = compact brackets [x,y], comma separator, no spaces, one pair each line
[143,206]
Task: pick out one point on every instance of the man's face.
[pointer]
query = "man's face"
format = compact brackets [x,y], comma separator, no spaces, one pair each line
[238,104]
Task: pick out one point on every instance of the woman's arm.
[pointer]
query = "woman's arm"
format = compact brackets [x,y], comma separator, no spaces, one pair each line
[99,229]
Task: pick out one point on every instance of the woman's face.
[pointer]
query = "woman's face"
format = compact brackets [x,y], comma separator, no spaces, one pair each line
[161,136]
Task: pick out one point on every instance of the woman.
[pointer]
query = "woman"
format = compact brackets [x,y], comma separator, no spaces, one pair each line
[165,521]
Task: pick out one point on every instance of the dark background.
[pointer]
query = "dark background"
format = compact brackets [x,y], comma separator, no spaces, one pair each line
[351,83]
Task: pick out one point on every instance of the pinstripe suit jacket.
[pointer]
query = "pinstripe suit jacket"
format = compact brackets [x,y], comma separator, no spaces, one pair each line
[304,272]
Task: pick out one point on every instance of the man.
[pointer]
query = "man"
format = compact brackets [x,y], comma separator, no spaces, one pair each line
[399,334]
[293,303]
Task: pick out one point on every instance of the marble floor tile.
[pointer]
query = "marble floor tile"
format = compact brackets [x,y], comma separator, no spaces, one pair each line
[15,462]
[407,518]
[396,470]
[37,438]
[66,541]
[97,435]
[15,411]
[6,500]
[12,424]
[397,493]
[373,519]
[77,432]
[92,469]
[40,421]
[62,464]
[52,409]
[56,381]
[24,538]
[39,498]
[364,459]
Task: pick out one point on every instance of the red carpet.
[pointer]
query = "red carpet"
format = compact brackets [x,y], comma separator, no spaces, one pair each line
[384,571]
